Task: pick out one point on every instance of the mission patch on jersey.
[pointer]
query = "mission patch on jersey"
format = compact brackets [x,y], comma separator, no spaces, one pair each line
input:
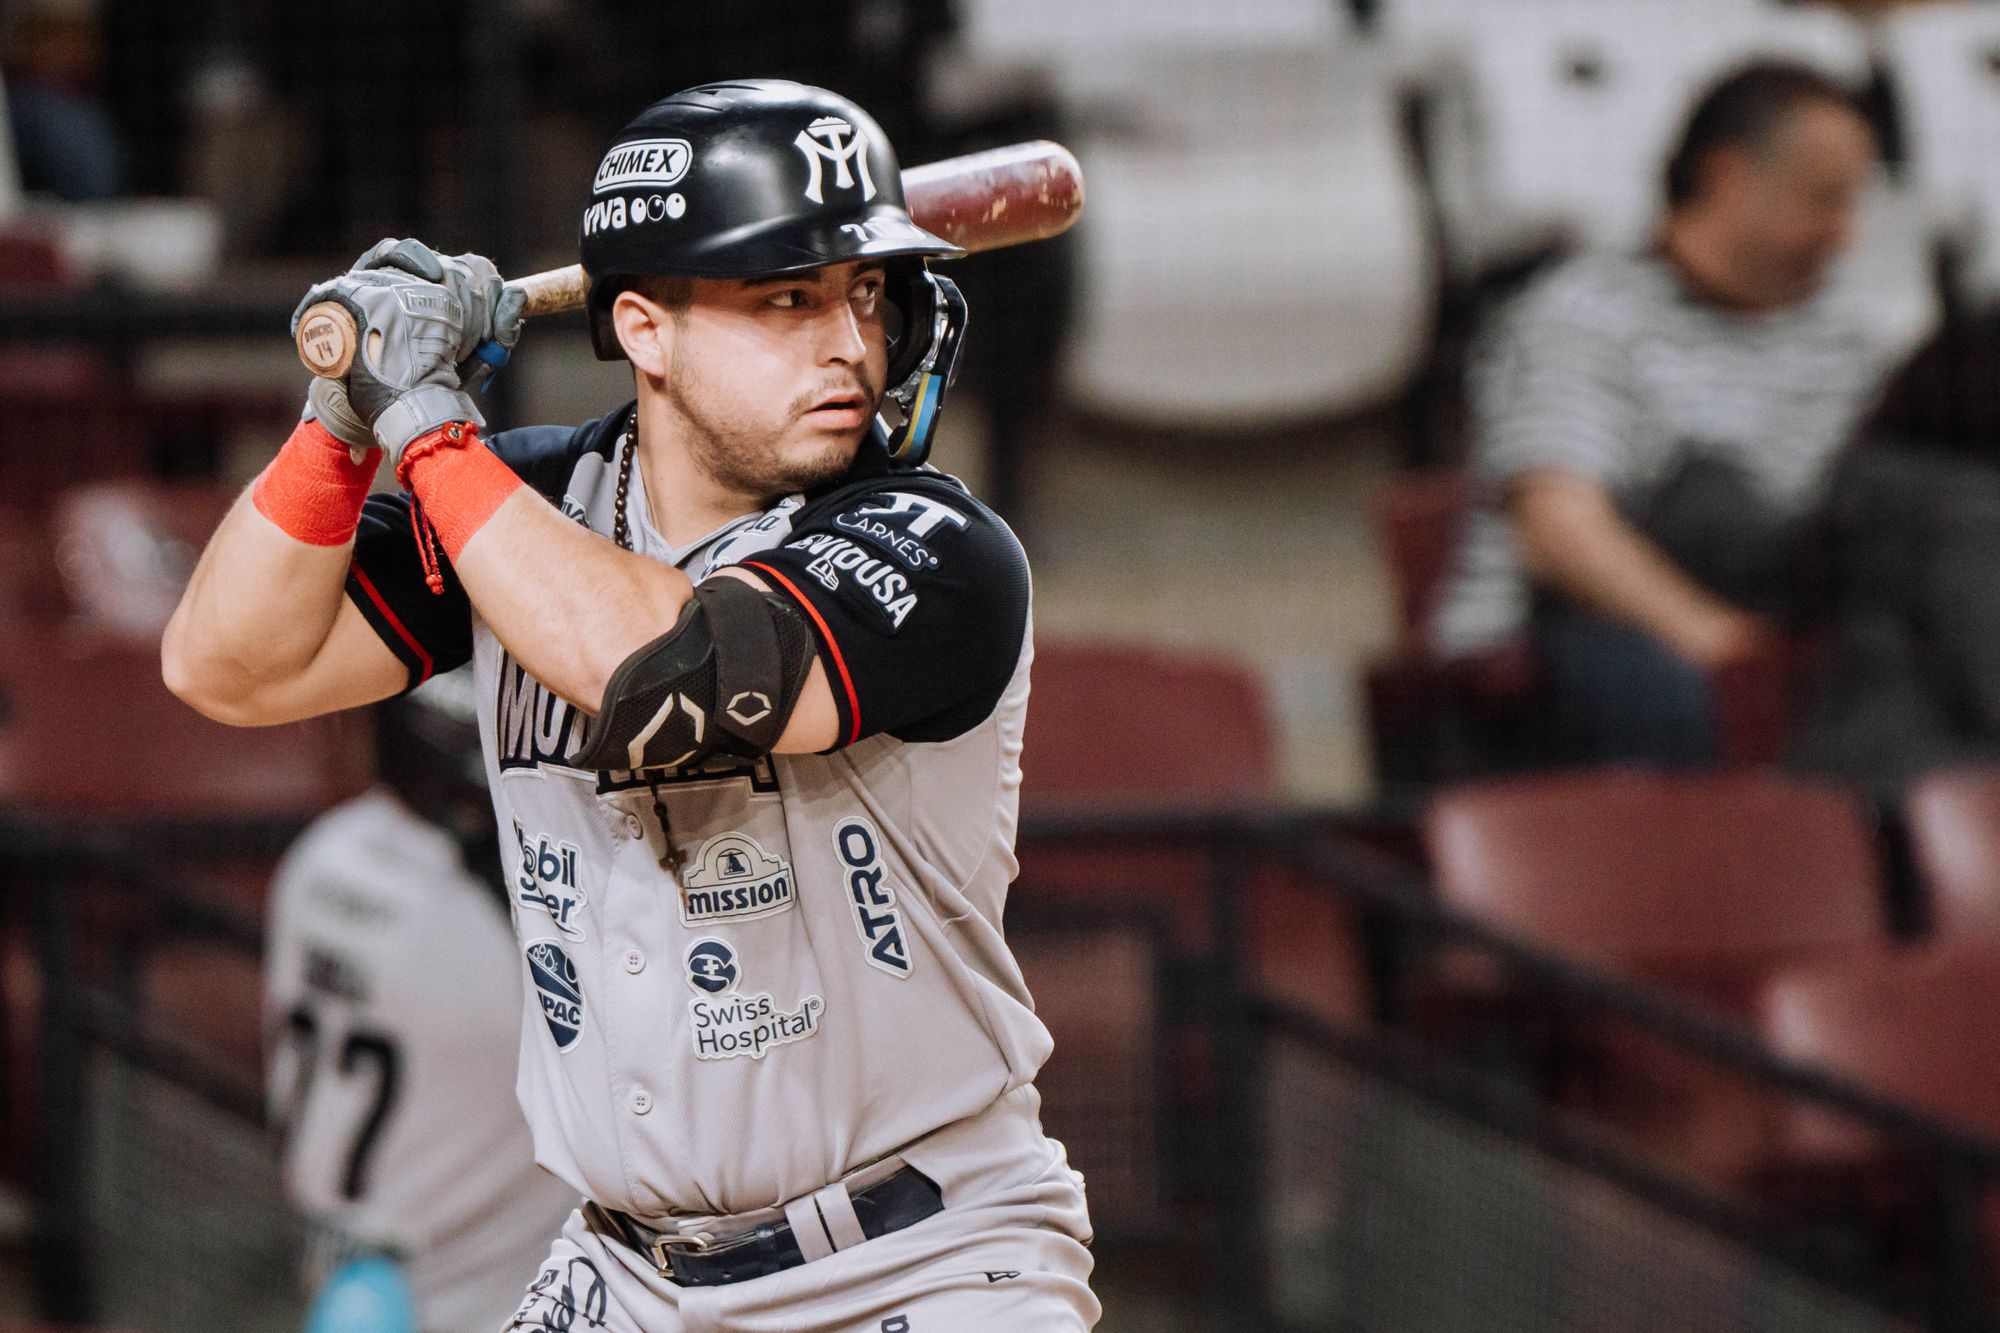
[732,878]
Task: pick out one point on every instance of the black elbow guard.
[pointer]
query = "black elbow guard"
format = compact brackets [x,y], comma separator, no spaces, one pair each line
[723,680]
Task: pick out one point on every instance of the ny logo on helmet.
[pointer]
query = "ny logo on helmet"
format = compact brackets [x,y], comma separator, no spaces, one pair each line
[831,139]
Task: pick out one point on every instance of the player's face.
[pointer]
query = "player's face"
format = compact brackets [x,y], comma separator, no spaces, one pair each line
[1794,210]
[779,378]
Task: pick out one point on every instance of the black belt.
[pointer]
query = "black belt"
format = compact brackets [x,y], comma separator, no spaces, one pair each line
[901,1200]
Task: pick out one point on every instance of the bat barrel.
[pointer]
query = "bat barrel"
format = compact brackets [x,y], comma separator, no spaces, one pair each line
[1004,196]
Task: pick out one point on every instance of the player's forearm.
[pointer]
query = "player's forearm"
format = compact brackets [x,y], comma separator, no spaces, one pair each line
[568,605]
[254,617]
[1573,539]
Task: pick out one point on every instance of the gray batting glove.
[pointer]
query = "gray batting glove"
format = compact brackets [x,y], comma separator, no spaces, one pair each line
[494,309]
[326,403]
[422,319]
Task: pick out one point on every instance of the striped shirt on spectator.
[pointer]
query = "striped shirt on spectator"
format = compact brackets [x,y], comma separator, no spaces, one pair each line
[1610,368]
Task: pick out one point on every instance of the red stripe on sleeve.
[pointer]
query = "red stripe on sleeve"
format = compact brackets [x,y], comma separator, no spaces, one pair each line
[402,632]
[839,662]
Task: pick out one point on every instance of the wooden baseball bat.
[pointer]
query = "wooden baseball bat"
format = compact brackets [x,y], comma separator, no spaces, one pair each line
[982,201]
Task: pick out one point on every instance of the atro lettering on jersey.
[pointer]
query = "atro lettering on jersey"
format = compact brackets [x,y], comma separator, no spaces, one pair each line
[875,915]
[732,878]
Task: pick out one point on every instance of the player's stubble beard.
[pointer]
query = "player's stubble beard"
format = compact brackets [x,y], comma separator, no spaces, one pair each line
[752,462]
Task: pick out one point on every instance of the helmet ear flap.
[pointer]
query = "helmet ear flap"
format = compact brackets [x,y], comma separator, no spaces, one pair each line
[926,356]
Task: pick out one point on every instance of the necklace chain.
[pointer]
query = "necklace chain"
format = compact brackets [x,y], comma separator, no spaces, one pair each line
[621,534]
[628,445]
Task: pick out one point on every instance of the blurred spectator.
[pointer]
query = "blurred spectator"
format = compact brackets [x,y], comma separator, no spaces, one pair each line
[65,140]
[379,96]
[393,997]
[867,50]
[1654,433]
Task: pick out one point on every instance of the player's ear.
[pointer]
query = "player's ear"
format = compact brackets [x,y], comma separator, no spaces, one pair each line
[645,330]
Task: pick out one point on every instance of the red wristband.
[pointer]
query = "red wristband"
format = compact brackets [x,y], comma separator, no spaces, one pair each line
[313,489]
[459,482]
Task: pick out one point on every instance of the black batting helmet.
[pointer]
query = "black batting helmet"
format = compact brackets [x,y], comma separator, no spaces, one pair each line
[757,177]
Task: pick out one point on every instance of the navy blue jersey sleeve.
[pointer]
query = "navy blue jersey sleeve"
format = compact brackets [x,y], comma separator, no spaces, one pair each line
[429,632]
[918,596]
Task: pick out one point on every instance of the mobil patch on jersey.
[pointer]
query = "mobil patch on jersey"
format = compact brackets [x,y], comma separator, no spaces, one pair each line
[559,989]
[732,878]
[876,917]
[549,880]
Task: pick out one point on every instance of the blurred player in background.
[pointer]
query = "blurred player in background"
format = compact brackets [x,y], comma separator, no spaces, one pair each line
[393,993]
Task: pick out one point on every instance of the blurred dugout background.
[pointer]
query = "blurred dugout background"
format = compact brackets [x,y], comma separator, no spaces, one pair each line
[1341,1045]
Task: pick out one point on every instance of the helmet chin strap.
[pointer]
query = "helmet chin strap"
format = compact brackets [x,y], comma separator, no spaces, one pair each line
[921,396]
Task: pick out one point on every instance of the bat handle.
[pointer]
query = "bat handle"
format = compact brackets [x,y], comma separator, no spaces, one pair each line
[327,335]
[327,339]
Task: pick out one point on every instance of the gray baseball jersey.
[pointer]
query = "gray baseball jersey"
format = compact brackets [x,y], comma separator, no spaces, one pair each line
[393,989]
[745,982]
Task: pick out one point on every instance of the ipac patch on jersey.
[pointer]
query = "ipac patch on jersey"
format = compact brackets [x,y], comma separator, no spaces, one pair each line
[732,878]
[560,991]
[876,918]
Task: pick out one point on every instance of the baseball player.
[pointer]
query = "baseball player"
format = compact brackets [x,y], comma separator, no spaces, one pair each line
[751,683]
[392,995]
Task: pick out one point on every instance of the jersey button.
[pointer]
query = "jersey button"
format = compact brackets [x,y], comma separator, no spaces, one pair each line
[642,1101]
[634,827]
[635,962]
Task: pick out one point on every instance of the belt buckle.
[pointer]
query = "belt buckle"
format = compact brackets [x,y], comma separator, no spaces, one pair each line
[663,1247]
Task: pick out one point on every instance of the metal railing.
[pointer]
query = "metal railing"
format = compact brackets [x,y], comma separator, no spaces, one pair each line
[1223,1183]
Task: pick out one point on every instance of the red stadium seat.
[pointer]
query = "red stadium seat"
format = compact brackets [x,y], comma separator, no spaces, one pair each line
[65,416]
[1420,704]
[1095,927]
[28,259]
[1704,884]
[1417,517]
[89,729]
[1124,721]
[1427,712]
[211,996]
[30,589]
[1098,992]
[1954,823]
[1915,1026]
[1127,726]
[89,734]
[1699,880]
